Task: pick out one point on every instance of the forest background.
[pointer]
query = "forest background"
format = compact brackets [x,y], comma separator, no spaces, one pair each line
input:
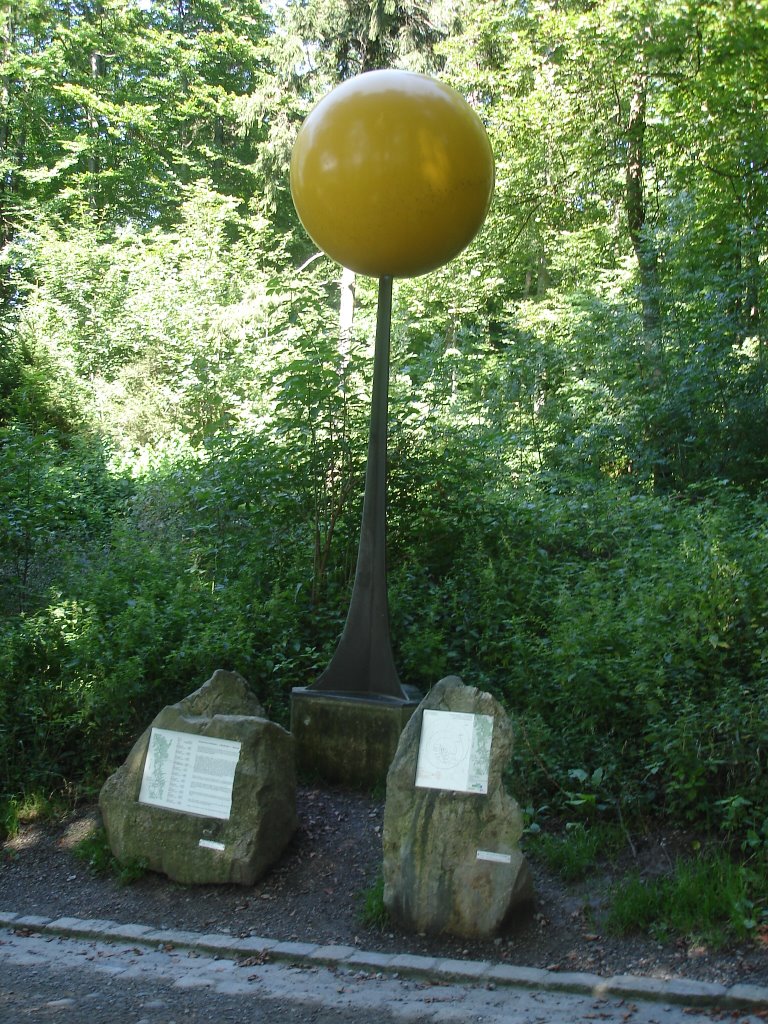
[578,433]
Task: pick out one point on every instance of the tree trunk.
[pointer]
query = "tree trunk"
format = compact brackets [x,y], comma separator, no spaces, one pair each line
[648,269]
[8,179]
[643,245]
[98,68]
[346,312]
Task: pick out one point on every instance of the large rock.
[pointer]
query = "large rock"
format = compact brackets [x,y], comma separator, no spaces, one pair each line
[452,860]
[195,847]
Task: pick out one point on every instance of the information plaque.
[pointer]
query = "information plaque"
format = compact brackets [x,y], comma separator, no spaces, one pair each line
[454,751]
[189,773]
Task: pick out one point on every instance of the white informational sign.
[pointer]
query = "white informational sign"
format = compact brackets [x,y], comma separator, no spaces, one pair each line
[211,844]
[190,773]
[454,751]
[495,858]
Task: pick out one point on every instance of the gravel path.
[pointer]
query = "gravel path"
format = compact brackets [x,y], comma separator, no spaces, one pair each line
[47,978]
[316,894]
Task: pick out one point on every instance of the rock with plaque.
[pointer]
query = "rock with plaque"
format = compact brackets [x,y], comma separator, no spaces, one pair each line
[452,858]
[208,792]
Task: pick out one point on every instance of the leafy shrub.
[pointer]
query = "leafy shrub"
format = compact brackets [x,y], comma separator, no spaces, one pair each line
[624,632]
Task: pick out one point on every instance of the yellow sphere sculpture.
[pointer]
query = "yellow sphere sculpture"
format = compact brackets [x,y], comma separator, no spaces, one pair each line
[392,174]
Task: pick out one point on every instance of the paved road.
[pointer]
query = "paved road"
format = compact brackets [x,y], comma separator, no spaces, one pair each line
[47,978]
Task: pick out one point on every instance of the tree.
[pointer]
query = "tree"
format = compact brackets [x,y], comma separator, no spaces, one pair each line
[110,106]
[628,129]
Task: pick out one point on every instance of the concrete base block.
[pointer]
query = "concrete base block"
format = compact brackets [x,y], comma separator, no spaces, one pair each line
[346,740]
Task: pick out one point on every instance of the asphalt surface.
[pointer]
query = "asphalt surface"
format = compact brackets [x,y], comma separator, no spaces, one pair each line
[97,972]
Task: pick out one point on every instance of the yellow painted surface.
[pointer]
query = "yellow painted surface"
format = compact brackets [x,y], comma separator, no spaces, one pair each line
[392,174]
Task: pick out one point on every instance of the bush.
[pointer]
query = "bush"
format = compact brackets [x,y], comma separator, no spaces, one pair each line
[624,632]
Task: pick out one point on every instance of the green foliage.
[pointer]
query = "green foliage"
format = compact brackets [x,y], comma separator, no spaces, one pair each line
[9,819]
[576,516]
[709,898]
[558,600]
[33,806]
[578,851]
[109,108]
[373,913]
[95,851]
[36,392]
[188,578]
[56,491]
[164,331]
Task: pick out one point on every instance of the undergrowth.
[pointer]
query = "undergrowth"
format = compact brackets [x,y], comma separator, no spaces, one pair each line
[557,601]
[18,810]
[710,899]
[577,852]
[374,913]
[95,851]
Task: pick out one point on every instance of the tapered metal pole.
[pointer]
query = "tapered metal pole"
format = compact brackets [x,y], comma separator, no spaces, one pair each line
[363,664]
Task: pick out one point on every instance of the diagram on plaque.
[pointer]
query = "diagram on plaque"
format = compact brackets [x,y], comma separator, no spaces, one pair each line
[454,751]
[189,773]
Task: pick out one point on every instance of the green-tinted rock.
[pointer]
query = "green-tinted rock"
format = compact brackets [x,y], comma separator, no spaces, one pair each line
[263,813]
[434,881]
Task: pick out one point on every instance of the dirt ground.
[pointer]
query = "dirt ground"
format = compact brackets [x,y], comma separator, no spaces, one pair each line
[316,894]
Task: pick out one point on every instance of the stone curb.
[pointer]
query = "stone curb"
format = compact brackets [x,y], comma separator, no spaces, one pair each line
[624,986]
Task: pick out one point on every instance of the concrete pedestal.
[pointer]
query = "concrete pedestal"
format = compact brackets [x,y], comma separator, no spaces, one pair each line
[347,739]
